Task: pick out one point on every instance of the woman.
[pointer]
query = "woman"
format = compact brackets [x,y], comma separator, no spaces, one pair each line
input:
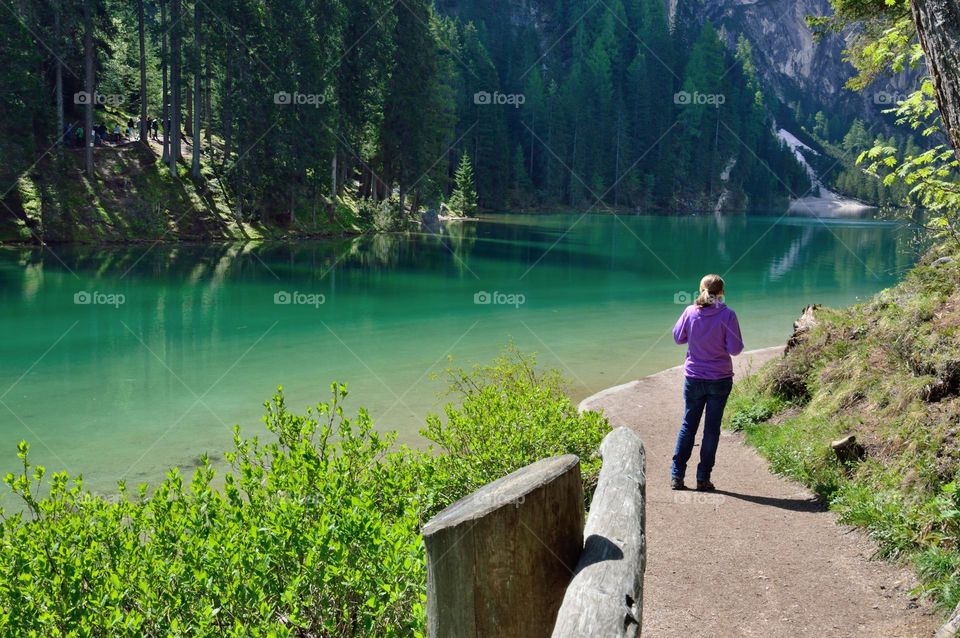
[712,333]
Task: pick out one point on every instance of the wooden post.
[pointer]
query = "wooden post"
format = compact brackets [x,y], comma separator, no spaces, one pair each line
[500,559]
[951,628]
[605,597]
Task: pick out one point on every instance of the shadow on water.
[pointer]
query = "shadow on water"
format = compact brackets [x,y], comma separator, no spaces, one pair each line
[813,504]
[798,252]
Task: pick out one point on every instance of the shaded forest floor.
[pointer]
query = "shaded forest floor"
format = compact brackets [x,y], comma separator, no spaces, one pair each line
[132,197]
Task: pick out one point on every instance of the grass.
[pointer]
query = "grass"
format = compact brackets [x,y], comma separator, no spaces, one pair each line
[887,371]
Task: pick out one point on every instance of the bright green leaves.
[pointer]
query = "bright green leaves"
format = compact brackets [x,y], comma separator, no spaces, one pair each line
[316,533]
[932,174]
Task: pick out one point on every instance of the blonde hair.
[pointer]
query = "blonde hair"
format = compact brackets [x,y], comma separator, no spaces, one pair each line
[711,290]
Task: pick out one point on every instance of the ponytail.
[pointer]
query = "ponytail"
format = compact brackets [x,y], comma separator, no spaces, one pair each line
[711,291]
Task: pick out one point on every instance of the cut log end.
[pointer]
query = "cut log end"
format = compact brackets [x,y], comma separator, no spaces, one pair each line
[500,559]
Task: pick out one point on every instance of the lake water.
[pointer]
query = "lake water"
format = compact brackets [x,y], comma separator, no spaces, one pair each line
[122,361]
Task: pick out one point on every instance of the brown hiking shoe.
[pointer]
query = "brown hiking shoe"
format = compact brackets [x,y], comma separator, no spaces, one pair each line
[677,483]
[705,486]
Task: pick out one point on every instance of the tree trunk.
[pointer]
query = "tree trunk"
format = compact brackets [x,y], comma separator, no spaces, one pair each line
[293,214]
[59,75]
[164,94]
[197,93]
[188,98]
[208,104]
[174,86]
[89,85]
[415,204]
[226,99]
[938,25]
[143,76]
[333,178]
[533,135]
[616,174]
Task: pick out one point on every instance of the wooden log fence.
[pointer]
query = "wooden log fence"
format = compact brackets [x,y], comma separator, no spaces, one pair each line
[511,559]
[605,597]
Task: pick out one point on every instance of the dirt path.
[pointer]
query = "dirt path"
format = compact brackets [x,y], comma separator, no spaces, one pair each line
[759,557]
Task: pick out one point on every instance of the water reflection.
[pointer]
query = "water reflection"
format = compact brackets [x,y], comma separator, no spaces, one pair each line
[655,243]
[201,340]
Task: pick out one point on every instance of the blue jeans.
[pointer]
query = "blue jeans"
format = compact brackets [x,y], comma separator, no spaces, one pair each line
[697,395]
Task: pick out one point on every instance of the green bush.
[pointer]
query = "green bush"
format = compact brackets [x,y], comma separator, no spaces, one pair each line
[756,410]
[381,217]
[508,416]
[315,534]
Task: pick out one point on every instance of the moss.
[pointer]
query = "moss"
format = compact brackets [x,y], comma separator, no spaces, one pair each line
[887,371]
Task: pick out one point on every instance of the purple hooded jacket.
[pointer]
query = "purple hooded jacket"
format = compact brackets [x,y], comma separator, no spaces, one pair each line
[713,335]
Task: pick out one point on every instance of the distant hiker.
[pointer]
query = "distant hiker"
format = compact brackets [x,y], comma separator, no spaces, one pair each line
[712,334]
[155,125]
[116,133]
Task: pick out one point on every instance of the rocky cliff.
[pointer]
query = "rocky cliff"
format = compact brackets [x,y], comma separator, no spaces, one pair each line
[795,66]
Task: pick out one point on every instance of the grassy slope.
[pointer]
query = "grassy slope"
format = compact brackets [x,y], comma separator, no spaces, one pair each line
[132,197]
[887,371]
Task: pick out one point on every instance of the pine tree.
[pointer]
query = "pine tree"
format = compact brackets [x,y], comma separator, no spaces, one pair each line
[700,116]
[463,200]
[522,186]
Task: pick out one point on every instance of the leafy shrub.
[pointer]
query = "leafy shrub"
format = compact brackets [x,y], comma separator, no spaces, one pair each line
[508,417]
[381,217]
[314,534]
[306,534]
[757,411]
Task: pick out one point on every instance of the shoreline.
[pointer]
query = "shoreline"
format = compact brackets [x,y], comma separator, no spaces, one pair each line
[286,235]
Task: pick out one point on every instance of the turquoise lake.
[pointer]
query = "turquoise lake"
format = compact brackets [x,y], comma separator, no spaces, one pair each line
[122,361]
